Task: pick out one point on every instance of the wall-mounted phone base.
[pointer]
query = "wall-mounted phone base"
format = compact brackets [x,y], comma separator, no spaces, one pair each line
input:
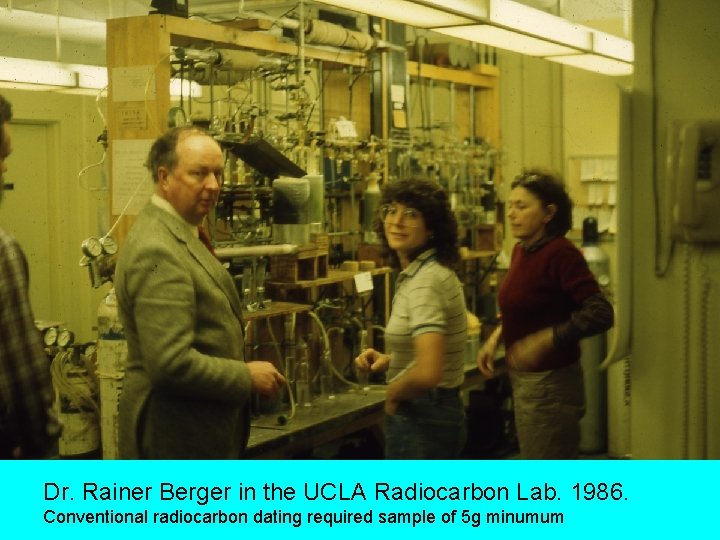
[693,179]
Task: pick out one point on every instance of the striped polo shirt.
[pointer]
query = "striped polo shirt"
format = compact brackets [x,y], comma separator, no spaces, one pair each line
[428,298]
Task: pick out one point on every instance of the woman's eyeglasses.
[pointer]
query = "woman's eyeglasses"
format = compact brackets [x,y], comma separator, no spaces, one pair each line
[392,214]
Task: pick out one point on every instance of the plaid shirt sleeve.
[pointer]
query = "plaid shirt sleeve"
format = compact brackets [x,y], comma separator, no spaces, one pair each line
[26,393]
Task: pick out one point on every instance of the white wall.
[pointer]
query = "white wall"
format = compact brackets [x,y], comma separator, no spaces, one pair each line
[548,113]
[72,127]
[675,345]
[675,407]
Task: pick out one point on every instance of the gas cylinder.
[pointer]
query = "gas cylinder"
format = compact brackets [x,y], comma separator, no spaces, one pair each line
[111,360]
[593,426]
[75,386]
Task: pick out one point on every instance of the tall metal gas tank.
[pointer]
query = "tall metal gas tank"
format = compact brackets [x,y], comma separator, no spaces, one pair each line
[593,426]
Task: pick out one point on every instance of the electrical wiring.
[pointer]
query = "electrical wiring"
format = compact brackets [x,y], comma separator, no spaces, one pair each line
[86,169]
[150,79]
[142,181]
[102,92]
[320,93]
[127,205]
[685,374]
[77,384]
[326,339]
[352,82]
[103,139]
[705,290]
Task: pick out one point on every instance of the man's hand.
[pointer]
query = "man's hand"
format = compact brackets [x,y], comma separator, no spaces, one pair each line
[266,379]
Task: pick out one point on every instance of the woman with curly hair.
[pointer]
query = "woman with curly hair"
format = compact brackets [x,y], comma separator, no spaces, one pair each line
[426,333]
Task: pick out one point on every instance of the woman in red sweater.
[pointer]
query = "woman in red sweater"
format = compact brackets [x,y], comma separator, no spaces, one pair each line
[549,300]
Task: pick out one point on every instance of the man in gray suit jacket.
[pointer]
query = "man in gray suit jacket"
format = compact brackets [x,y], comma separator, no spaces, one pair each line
[187,387]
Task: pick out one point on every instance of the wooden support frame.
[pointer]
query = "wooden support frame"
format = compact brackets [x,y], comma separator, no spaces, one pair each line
[486,82]
[146,41]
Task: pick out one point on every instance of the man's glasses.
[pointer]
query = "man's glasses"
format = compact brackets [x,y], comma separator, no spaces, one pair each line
[392,214]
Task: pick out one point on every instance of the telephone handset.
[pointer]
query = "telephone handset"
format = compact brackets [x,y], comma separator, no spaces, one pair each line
[693,178]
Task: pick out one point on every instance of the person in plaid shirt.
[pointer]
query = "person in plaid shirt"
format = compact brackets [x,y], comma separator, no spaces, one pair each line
[28,425]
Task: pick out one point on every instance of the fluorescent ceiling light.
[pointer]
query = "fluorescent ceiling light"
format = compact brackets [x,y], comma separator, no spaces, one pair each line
[521,18]
[20,70]
[23,74]
[505,39]
[509,25]
[422,14]
[32,87]
[593,62]
[92,77]
[31,24]
[613,46]
[185,88]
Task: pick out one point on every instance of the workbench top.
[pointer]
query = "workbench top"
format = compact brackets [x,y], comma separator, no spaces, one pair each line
[326,420]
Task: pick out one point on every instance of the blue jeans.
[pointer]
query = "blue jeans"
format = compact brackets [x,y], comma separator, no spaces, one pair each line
[432,427]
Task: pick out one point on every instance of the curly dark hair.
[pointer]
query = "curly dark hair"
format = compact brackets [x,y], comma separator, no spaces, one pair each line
[548,186]
[163,151]
[433,203]
[5,114]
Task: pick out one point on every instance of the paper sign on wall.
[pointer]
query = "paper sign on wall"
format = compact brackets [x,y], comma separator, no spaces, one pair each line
[130,83]
[363,282]
[131,183]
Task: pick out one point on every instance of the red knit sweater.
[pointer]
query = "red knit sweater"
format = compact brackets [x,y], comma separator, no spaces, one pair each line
[542,288]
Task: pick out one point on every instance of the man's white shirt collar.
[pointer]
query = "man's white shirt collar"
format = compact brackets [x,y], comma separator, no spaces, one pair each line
[163,204]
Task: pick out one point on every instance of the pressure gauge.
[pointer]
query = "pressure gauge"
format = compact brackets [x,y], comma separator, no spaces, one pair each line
[109,245]
[50,336]
[91,247]
[90,350]
[65,338]
[176,117]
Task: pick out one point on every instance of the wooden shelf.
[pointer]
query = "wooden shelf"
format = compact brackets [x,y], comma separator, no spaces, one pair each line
[482,76]
[333,277]
[144,43]
[476,89]
[273,309]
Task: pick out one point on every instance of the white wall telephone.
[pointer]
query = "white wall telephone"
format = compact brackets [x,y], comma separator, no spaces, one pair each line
[693,179]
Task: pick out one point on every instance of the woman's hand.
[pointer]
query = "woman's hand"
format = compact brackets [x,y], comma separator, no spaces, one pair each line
[391,406]
[372,360]
[527,353]
[486,357]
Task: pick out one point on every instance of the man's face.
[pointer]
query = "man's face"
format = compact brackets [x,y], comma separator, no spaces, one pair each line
[193,186]
[5,151]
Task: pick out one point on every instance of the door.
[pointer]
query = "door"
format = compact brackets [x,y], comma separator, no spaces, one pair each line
[25,212]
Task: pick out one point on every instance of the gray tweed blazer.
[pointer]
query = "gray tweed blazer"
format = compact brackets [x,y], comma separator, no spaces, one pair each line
[186,389]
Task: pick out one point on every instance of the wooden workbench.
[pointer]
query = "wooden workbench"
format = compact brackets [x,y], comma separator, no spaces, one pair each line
[326,420]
